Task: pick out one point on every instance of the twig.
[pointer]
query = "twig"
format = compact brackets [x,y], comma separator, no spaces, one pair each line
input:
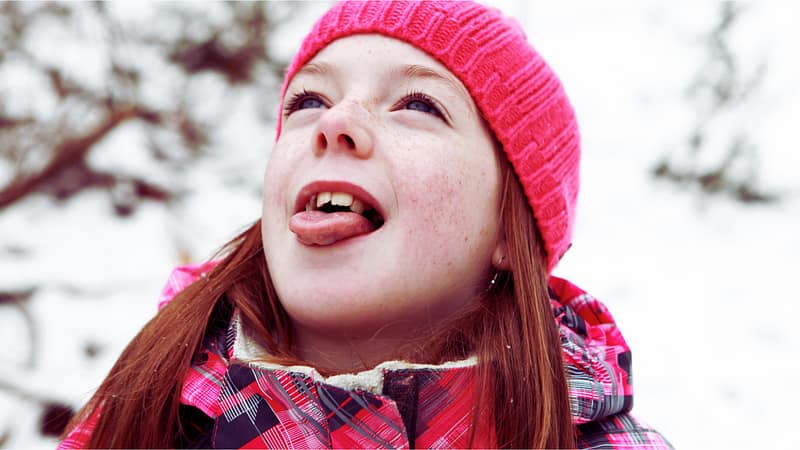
[69,153]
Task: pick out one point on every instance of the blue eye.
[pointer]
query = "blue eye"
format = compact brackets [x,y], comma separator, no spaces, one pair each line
[310,102]
[303,100]
[417,105]
[417,101]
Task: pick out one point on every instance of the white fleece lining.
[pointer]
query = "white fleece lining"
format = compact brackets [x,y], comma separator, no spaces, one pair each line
[247,349]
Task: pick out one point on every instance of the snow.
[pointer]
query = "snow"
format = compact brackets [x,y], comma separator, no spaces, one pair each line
[699,286]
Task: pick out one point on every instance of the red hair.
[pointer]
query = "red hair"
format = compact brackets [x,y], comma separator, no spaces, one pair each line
[512,331]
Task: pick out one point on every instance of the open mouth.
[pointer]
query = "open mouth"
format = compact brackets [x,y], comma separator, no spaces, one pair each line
[324,217]
[331,202]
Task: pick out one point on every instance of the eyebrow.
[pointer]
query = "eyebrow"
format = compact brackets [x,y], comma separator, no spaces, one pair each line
[321,68]
[418,71]
[407,71]
[316,68]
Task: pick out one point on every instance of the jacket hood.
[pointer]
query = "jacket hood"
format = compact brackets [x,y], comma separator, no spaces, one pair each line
[596,357]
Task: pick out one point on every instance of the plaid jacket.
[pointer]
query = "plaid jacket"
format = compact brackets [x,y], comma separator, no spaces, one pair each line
[227,404]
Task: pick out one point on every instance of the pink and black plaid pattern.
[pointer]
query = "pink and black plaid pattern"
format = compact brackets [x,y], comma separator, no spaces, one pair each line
[280,409]
[251,407]
[620,431]
[596,357]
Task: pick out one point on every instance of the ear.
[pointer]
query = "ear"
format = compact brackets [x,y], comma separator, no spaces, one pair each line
[500,256]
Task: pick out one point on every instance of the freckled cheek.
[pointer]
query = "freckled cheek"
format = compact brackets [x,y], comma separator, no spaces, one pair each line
[270,194]
[274,190]
[438,219]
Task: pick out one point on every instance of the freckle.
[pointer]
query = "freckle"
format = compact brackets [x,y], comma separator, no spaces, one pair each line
[466,238]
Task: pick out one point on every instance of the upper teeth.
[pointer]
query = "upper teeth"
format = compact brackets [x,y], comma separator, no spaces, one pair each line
[335,198]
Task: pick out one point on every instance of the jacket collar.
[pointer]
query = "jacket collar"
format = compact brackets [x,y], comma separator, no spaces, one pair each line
[596,358]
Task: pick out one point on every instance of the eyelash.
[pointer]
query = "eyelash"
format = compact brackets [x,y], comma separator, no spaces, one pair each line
[298,98]
[417,96]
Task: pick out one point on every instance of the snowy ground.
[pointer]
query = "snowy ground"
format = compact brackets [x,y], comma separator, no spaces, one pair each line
[699,286]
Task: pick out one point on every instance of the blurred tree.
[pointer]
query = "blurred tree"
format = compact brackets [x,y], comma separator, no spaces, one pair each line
[72,74]
[720,157]
[46,148]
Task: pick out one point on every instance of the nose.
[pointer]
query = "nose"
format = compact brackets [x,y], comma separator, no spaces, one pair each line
[344,128]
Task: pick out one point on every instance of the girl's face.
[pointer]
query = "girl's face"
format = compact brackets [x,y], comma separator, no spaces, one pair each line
[381,197]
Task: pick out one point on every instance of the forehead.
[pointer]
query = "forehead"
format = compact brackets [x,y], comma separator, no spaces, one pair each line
[374,54]
[375,45]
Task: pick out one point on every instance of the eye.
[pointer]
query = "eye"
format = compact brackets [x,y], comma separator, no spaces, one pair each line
[418,101]
[303,100]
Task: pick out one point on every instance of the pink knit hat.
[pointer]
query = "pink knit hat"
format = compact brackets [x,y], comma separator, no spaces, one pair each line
[518,94]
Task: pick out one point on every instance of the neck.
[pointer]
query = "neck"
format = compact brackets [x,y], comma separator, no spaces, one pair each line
[337,353]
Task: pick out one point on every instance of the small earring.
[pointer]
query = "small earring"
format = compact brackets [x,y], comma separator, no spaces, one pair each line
[496,275]
[493,281]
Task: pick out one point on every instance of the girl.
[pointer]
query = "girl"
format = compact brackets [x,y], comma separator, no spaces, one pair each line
[396,291]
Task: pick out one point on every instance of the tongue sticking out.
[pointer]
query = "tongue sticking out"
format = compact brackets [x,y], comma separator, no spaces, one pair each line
[321,228]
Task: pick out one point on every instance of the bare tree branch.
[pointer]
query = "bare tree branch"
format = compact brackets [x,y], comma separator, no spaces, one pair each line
[71,153]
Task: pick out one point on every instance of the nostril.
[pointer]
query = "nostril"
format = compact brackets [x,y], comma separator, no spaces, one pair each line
[347,141]
[322,142]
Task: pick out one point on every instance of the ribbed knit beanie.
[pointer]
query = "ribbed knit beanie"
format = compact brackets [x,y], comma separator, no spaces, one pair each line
[517,93]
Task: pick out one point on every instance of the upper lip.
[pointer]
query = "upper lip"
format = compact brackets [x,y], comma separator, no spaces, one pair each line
[355,190]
